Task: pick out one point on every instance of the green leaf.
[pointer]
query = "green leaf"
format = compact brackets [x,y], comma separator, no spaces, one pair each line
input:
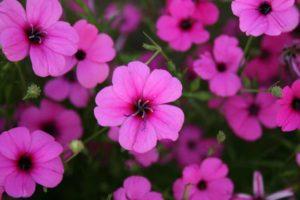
[195,85]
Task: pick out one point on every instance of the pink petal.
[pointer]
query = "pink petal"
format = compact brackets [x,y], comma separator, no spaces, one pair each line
[62,38]
[43,147]
[102,49]
[213,169]
[57,89]
[278,5]
[167,28]
[43,12]
[19,185]
[253,23]
[199,34]
[242,197]
[258,185]
[79,96]
[90,73]
[128,82]
[15,48]
[161,87]
[267,116]
[240,6]
[249,129]
[48,174]
[225,84]
[7,167]
[136,187]
[87,33]
[205,66]
[182,43]
[110,110]
[167,121]
[120,194]
[181,9]
[207,13]
[145,138]
[12,13]
[281,194]
[191,174]
[153,196]
[46,62]
[287,119]
[220,189]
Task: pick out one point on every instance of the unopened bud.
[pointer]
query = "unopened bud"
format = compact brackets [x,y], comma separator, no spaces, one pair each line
[76,146]
[33,91]
[221,137]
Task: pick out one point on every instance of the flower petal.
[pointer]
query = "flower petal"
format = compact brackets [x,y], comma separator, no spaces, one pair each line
[136,187]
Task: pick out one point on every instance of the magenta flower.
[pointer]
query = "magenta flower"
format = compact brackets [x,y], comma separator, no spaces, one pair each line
[137,101]
[37,32]
[298,159]
[94,51]
[206,181]
[29,158]
[192,147]
[221,68]
[246,113]
[259,192]
[64,125]
[270,17]
[288,116]
[62,88]
[136,187]
[180,28]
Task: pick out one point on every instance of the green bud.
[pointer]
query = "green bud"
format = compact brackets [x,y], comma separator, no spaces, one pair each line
[210,151]
[76,146]
[149,47]
[33,92]
[195,85]
[276,91]
[221,137]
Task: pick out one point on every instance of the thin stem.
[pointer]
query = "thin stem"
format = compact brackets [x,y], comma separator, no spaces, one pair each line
[247,47]
[153,57]
[22,78]
[87,140]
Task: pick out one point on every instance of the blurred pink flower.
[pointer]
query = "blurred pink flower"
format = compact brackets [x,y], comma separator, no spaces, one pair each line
[270,17]
[206,181]
[126,19]
[259,192]
[75,7]
[158,63]
[29,158]
[64,125]
[136,187]
[288,116]
[221,68]
[246,113]
[37,32]
[180,28]
[61,88]
[298,159]
[192,148]
[94,51]
[137,101]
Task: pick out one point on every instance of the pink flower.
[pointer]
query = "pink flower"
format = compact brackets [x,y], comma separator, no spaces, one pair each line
[29,158]
[298,159]
[192,148]
[136,187]
[1,192]
[180,28]
[64,125]
[75,7]
[137,102]
[125,20]
[94,51]
[158,63]
[206,181]
[61,88]
[246,113]
[288,116]
[259,192]
[221,68]
[37,32]
[270,17]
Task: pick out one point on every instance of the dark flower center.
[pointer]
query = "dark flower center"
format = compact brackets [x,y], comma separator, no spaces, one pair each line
[50,128]
[254,109]
[80,55]
[259,198]
[35,35]
[265,54]
[191,145]
[142,108]
[25,163]
[296,104]
[186,24]
[221,67]
[265,8]
[71,76]
[202,185]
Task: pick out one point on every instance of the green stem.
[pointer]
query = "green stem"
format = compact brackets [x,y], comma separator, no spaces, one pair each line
[22,78]
[247,47]
[90,16]
[153,57]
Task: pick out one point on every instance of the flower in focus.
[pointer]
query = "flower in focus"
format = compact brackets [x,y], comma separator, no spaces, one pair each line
[94,51]
[137,102]
[259,192]
[180,28]
[64,125]
[29,158]
[246,113]
[126,20]
[206,181]
[221,68]
[136,187]
[288,116]
[37,32]
[270,17]
[192,148]
[61,88]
